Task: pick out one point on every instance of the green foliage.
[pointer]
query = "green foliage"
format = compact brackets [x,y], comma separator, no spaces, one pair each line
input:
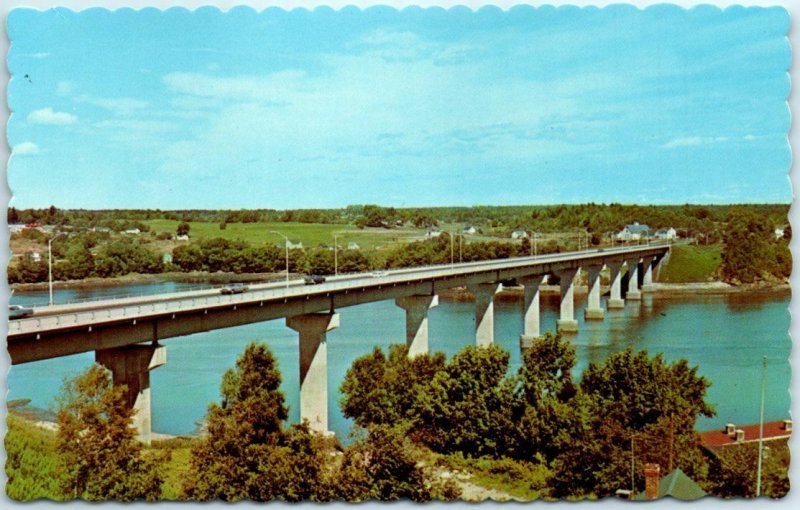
[734,470]
[751,252]
[100,459]
[383,391]
[183,228]
[31,462]
[467,405]
[246,453]
[380,467]
[632,395]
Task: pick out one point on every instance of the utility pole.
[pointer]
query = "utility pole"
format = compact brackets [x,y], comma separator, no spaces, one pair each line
[633,465]
[452,248]
[761,424]
[671,441]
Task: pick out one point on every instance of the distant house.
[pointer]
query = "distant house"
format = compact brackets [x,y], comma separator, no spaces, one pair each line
[665,233]
[633,232]
[715,439]
[519,234]
[16,227]
[470,229]
[779,233]
[133,231]
[36,256]
[101,229]
[292,246]
[166,258]
[353,246]
[433,232]
[183,237]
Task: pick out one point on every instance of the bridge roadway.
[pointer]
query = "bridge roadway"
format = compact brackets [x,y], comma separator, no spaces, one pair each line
[116,329]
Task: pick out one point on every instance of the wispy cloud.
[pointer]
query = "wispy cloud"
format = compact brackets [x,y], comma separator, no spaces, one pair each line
[119,105]
[25,149]
[694,141]
[49,116]
[37,55]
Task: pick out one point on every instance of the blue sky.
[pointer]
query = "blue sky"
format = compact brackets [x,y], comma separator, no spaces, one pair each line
[179,109]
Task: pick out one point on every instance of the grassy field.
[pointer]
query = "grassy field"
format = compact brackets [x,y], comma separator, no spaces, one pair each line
[691,264]
[310,234]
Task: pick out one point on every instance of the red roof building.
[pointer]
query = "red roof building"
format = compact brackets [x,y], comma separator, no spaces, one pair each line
[731,434]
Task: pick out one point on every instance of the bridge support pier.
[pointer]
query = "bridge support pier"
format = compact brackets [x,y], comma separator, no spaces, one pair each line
[633,280]
[647,274]
[567,323]
[530,308]
[313,329]
[131,366]
[416,308]
[615,301]
[593,310]
[484,311]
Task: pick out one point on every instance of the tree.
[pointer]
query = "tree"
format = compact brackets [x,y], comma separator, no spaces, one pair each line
[223,225]
[746,255]
[246,453]
[380,467]
[183,228]
[632,396]
[100,457]
[735,470]
[467,406]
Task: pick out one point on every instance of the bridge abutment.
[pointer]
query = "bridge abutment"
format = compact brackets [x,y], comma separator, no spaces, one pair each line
[531,310]
[593,310]
[633,293]
[131,366]
[484,311]
[313,329]
[566,322]
[416,308]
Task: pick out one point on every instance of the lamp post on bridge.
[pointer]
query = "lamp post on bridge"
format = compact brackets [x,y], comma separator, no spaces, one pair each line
[286,246]
[336,254]
[50,264]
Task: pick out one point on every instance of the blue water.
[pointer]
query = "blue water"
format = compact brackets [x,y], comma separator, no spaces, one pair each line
[725,335]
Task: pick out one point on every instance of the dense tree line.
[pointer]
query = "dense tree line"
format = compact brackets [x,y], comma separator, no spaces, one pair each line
[752,252]
[580,432]
[705,222]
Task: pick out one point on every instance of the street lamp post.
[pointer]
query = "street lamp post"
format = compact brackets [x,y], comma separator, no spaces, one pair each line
[50,264]
[335,255]
[286,245]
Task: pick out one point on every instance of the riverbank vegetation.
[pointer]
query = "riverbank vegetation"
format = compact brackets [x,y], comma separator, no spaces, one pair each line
[423,426]
[105,244]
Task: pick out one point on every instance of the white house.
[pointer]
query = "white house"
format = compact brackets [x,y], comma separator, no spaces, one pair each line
[779,233]
[665,233]
[133,231]
[166,258]
[184,237]
[292,246]
[633,232]
[470,230]
[353,246]
[36,256]
[433,232]
[16,227]
[519,234]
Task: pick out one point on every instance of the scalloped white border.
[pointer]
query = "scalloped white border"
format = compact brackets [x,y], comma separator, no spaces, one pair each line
[792,6]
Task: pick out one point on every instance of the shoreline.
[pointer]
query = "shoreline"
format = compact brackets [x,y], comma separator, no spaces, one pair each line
[456,294]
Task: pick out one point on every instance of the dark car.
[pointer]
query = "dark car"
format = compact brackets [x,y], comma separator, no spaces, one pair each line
[234,288]
[19,312]
[314,279]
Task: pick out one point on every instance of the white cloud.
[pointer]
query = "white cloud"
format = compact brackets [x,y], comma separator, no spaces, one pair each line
[49,116]
[25,149]
[120,105]
[65,88]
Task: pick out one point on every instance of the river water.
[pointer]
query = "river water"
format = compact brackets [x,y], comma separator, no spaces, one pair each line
[725,335]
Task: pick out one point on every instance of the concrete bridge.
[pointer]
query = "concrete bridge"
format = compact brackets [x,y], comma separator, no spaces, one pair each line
[125,333]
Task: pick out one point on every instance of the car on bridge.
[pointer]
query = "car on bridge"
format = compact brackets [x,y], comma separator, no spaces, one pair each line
[19,312]
[314,279]
[234,288]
